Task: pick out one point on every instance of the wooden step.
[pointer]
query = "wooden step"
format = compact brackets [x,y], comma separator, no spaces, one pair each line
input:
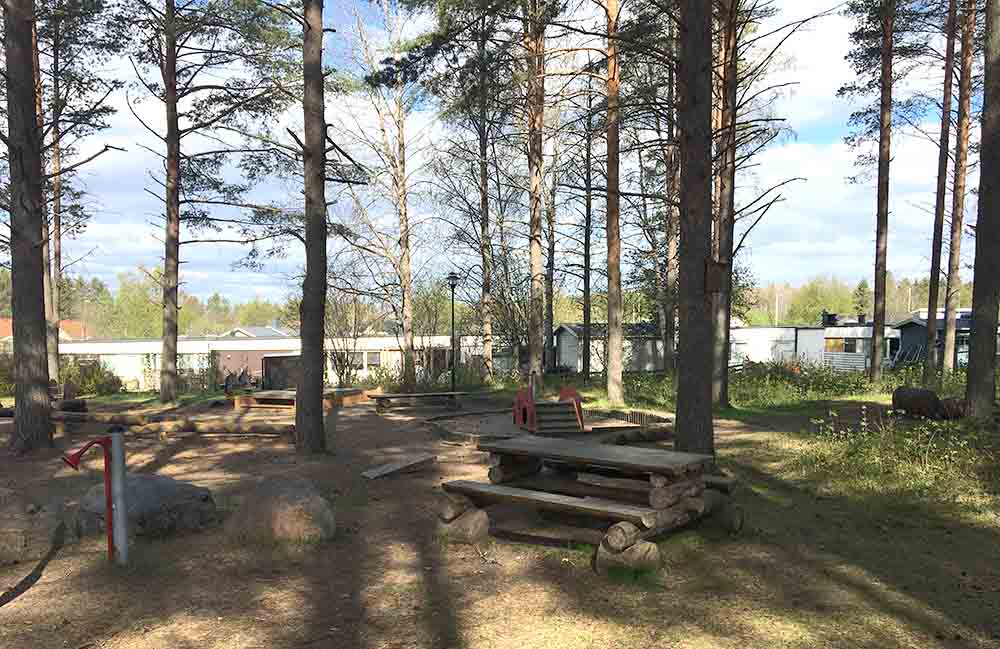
[485,493]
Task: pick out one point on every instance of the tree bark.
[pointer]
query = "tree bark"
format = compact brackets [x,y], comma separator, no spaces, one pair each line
[953,284]
[694,393]
[51,325]
[310,436]
[486,301]
[722,303]
[931,359]
[401,182]
[56,238]
[888,12]
[588,224]
[32,428]
[616,339]
[550,264]
[535,45]
[980,391]
[171,257]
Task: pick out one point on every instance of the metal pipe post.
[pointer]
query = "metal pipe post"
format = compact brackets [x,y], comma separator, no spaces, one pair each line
[118,498]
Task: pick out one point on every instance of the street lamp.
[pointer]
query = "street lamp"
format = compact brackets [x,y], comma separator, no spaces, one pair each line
[453,280]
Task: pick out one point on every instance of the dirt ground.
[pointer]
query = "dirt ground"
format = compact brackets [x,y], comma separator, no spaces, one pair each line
[810,571]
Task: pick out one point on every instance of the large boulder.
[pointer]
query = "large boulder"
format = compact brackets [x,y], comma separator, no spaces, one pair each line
[29,531]
[917,402]
[157,505]
[283,509]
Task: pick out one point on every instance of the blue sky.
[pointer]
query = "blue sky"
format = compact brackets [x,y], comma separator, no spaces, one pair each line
[824,226]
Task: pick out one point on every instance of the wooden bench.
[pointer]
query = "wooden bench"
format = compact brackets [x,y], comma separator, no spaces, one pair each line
[285,399]
[383,401]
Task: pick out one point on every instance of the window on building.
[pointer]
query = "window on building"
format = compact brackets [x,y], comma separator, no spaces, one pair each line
[850,345]
[374,359]
[834,344]
[358,360]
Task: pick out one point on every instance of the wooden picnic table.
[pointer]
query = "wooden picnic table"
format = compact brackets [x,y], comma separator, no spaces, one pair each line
[624,458]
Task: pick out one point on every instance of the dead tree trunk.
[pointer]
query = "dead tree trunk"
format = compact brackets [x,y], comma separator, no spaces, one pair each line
[980,391]
[888,12]
[694,392]
[486,301]
[722,303]
[401,183]
[588,224]
[954,281]
[172,240]
[310,436]
[535,44]
[670,218]
[550,264]
[616,338]
[32,428]
[931,360]
[56,231]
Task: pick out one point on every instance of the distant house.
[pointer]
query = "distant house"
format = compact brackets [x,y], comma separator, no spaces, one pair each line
[913,335]
[68,330]
[644,349]
[847,341]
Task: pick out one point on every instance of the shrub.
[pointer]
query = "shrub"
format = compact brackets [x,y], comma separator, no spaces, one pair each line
[90,377]
[6,375]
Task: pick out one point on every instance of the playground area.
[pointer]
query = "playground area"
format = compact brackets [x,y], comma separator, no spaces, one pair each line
[815,565]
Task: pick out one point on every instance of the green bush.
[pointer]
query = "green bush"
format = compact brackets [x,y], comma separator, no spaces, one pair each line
[6,375]
[89,377]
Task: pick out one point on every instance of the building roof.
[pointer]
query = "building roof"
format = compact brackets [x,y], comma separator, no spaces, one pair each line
[270,331]
[600,329]
[963,321]
[70,329]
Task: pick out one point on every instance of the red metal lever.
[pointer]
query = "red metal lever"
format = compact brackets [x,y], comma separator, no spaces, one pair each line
[73,460]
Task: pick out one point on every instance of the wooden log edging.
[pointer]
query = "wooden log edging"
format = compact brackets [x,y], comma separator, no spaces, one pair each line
[164,424]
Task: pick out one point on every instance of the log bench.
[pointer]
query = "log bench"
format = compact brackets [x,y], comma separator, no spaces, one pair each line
[636,493]
[285,399]
[384,401]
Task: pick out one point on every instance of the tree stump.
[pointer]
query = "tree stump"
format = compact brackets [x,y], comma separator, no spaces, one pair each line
[472,526]
[918,402]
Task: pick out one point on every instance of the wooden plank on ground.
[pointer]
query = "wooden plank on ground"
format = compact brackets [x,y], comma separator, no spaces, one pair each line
[412,462]
[640,460]
[596,507]
[417,395]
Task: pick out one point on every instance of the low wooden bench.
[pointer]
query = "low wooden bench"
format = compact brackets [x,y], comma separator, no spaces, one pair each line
[383,401]
[285,399]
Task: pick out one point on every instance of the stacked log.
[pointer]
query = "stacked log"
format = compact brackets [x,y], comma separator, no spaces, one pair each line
[507,468]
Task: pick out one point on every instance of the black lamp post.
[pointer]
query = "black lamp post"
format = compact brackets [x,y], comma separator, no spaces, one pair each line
[453,280]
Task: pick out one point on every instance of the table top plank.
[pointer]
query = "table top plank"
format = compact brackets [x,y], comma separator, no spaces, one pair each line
[641,460]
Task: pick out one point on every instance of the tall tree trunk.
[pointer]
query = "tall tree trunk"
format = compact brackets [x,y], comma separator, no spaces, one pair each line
[931,359]
[588,225]
[671,215]
[953,288]
[550,264]
[56,237]
[535,42]
[694,392]
[405,265]
[310,436]
[32,428]
[722,302]
[172,238]
[616,338]
[882,218]
[51,325]
[486,301]
[980,392]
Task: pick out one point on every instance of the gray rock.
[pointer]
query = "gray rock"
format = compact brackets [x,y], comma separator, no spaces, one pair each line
[283,509]
[157,505]
[29,531]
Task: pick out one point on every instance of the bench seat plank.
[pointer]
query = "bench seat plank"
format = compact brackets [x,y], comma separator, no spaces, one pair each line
[596,507]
